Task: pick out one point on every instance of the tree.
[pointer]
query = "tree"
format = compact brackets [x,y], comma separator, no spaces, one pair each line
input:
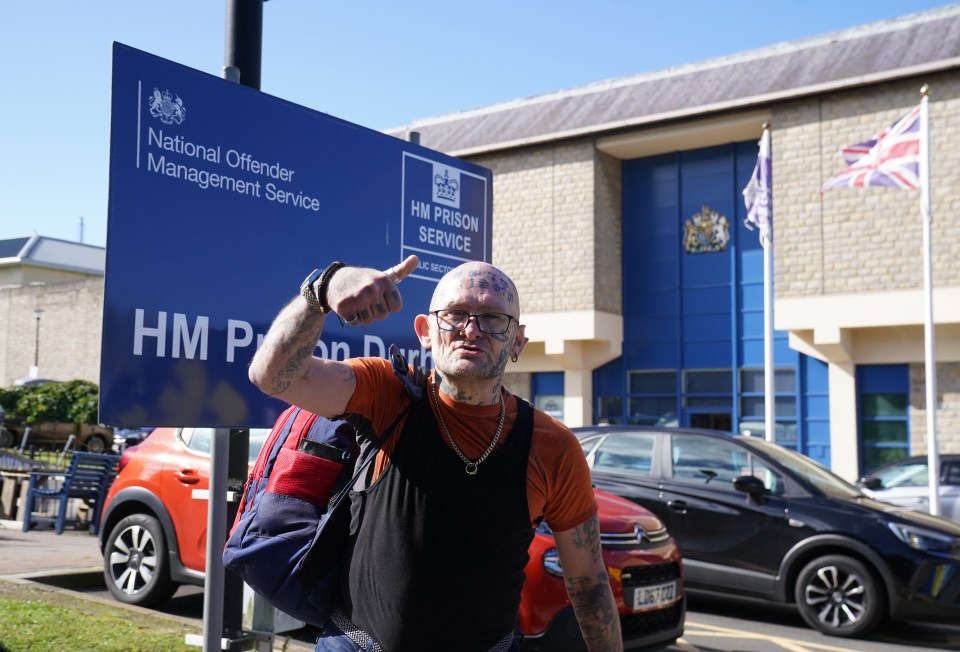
[74,401]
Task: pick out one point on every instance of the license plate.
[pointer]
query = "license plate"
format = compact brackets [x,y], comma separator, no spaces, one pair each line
[646,598]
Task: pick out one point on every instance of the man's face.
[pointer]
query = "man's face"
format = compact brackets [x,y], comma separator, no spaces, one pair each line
[469,352]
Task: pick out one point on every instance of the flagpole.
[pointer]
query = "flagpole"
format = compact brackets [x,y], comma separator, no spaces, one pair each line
[769,389]
[930,362]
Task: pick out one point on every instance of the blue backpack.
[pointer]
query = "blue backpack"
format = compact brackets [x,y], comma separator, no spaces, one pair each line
[286,510]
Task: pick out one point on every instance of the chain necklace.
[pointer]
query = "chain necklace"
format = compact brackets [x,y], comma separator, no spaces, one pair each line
[471,466]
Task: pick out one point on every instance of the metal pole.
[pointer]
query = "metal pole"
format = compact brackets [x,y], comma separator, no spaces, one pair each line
[244,39]
[213,601]
[36,341]
[929,339]
[35,370]
[223,594]
[769,363]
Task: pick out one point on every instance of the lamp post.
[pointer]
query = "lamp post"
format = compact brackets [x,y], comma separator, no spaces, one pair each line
[35,369]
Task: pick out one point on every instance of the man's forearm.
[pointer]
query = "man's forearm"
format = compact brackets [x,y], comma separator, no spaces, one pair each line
[596,612]
[588,586]
[287,347]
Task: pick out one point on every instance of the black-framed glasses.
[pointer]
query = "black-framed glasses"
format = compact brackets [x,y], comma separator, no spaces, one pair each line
[494,323]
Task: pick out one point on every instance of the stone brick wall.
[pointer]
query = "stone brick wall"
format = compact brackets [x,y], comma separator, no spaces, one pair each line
[556,227]
[948,408]
[608,235]
[69,335]
[861,239]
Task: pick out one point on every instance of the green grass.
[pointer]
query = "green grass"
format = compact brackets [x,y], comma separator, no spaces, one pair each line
[39,620]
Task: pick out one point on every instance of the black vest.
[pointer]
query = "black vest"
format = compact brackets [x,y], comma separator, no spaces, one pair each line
[437,556]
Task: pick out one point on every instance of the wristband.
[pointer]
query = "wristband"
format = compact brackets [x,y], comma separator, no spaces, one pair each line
[321,278]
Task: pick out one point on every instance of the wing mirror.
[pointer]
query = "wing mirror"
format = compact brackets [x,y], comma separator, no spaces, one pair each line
[870,482]
[750,485]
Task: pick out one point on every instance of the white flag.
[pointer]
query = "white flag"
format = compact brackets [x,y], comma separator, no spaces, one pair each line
[758,195]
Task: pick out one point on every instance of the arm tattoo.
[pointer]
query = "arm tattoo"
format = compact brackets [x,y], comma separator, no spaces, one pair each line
[588,536]
[297,342]
[591,597]
[596,612]
[289,372]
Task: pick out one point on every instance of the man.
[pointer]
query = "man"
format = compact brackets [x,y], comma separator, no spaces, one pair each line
[437,560]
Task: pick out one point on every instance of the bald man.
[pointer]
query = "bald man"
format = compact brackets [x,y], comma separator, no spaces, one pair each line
[436,562]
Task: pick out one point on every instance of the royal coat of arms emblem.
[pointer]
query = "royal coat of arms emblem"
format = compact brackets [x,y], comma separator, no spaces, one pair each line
[167,106]
[706,231]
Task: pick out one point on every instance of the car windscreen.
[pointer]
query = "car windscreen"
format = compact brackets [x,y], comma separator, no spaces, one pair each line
[821,478]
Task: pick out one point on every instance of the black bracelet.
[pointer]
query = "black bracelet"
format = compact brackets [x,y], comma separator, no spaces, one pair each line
[324,283]
[318,299]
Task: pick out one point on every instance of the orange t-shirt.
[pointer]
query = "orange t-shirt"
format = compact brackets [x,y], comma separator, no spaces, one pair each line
[558,480]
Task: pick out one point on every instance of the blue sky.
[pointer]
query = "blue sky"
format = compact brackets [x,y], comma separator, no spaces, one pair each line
[380,64]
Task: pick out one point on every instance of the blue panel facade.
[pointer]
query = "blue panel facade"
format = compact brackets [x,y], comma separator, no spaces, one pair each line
[815,409]
[693,321]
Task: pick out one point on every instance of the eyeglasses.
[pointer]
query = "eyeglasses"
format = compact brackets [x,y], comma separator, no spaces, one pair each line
[494,323]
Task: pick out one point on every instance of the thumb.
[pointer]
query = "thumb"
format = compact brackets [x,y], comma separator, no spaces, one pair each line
[407,267]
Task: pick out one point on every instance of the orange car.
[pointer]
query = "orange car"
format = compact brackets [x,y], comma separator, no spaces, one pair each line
[154,528]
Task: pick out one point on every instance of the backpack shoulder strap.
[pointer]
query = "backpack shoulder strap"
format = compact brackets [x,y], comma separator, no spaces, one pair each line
[414,382]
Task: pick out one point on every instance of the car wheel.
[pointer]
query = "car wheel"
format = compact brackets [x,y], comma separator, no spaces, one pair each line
[6,438]
[840,596]
[135,563]
[95,444]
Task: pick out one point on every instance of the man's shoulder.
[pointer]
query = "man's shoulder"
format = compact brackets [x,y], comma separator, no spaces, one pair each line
[551,431]
[543,420]
[369,362]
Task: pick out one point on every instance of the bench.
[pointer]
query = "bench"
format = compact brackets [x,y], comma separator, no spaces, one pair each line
[87,478]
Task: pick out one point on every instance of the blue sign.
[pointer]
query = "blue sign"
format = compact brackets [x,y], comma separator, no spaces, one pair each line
[222,200]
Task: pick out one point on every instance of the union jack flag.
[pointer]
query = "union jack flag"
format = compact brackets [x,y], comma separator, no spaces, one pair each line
[891,158]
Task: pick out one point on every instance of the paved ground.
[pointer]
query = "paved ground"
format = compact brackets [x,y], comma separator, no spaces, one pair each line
[74,556]
[42,550]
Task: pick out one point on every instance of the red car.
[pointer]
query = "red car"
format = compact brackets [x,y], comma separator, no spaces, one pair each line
[154,528]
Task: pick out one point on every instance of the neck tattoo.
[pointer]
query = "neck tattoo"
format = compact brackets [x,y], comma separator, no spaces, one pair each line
[471,465]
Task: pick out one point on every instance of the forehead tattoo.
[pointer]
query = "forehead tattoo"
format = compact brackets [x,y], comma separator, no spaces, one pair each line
[492,281]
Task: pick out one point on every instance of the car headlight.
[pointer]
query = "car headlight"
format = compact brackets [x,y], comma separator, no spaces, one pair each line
[551,562]
[920,538]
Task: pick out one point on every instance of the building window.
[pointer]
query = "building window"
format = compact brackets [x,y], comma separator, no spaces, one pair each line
[707,389]
[884,414]
[753,404]
[883,425]
[547,391]
[652,399]
[610,409]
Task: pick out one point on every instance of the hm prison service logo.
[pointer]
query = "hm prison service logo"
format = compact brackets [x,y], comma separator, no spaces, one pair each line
[446,185]
[167,106]
[705,232]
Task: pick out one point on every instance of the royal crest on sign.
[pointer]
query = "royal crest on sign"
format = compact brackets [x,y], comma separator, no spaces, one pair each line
[706,231]
[167,106]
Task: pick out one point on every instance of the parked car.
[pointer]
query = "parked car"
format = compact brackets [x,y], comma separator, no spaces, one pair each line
[907,483]
[29,382]
[757,520]
[153,538]
[123,438]
[52,434]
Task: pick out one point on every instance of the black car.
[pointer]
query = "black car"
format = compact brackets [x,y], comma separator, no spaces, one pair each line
[756,520]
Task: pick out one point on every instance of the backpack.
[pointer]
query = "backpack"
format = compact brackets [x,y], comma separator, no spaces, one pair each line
[284,499]
[287,500]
